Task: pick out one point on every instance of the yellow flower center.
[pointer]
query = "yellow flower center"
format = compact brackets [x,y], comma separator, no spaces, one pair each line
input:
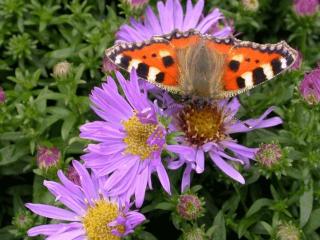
[137,136]
[201,123]
[97,219]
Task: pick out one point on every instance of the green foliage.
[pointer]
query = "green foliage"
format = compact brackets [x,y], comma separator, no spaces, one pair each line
[45,108]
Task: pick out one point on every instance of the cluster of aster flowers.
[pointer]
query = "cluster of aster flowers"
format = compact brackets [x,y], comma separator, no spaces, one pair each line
[131,137]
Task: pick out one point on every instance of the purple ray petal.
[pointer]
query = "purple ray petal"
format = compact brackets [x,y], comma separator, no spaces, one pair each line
[52,212]
[70,235]
[140,188]
[226,168]
[49,229]
[86,182]
[163,177]
[185,184]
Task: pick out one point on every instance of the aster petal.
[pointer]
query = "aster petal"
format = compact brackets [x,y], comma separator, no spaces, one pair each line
[66,197]
[129,34]
[86,182]
[73,188]
[239,149]
[101,131]
[163,177]
[152,22]
[49,229]
[199,161]
[52,212]
[176,164]
[192,14]
[70,235]
[166,15]
[185,184]
[226,168]
[209,20]
[178,14]
[121,162]
[106,149]
[123,179]
[224,32]
[180,149]
[140,188]
[255,123]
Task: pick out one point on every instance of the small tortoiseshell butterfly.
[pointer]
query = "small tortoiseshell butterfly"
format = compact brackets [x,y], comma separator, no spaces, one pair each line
[191,63]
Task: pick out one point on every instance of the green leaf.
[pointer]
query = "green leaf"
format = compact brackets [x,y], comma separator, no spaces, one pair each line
[314,222]
[67,126]
[219,229]
[165,206]
[306,203]
[257,205]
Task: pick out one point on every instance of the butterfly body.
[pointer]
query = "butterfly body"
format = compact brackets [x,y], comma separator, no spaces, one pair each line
[193,64]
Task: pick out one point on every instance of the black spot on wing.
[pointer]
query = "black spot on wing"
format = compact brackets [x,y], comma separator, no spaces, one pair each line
[167,61]
[289,60]
[276,66]
[143,70]
[258,75]
[241,82]
[125,61]
[234,65]
[160,77]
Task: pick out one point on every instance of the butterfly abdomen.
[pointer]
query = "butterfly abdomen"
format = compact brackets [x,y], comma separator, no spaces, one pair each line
[200,70]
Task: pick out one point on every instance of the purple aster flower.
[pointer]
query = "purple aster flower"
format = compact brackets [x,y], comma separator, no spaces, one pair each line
[130,139]
[207,128]
[310,86]
[171,17]
[305,7]
[48,156]
[2,95]
[90,214]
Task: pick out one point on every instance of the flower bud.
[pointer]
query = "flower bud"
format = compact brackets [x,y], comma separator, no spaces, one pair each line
[72,175]
[269,154]
[61,69]
[2,95]
[251,5]
[47,156]
[189,207]
[310,87]
[305,7]
[288,231]
[136,4]
[194,234]
[23,220]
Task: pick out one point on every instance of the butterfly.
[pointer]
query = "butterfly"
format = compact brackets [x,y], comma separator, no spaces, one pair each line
[194,64]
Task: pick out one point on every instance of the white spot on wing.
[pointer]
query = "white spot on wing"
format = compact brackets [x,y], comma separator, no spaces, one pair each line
[247,76]
[283,63]
[267,70]
[118,59]
[238,58]
[133,64]
[152,73]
